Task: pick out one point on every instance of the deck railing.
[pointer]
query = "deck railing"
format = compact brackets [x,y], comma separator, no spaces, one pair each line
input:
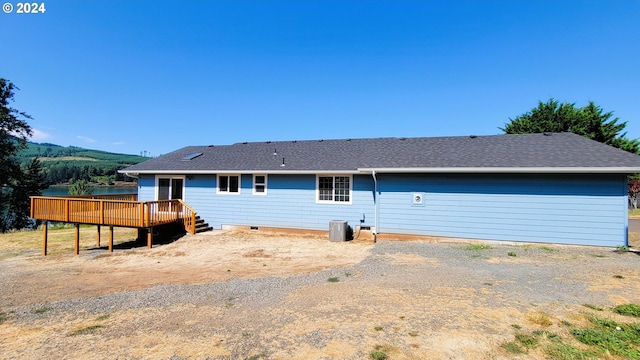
[115,210]
[188,217]
[125,197]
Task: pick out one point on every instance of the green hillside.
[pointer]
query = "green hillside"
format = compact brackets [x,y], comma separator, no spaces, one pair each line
[63,164]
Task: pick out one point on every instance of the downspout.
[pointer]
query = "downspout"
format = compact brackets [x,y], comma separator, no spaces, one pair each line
[375,205]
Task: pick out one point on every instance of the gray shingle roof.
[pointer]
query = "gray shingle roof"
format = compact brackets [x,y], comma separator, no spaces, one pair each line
[560,152]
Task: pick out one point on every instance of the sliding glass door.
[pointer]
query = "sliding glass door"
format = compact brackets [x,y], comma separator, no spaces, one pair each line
[170,188]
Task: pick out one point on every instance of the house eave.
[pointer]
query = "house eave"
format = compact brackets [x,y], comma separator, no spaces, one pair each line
[244,171]
[507,170]
[421,170]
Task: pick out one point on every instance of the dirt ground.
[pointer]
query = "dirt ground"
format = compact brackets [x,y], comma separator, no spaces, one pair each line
[321,320]
[193,260]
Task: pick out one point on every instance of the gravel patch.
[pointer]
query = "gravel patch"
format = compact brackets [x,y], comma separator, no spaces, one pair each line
[536,282]
[265,317]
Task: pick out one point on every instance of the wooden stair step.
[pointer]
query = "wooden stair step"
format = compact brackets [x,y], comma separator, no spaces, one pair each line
[201,225]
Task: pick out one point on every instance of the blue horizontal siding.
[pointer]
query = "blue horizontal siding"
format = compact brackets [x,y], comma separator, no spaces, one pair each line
[146,188]
[565,209]
[289,203]
[579,209]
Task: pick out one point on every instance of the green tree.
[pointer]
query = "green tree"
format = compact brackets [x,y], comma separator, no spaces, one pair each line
[81,187]
[14,132]
[31,183]
[589,121]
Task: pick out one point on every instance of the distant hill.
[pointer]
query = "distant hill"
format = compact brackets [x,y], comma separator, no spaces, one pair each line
[63,164]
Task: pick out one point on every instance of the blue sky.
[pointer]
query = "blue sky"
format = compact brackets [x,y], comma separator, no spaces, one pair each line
[132,76]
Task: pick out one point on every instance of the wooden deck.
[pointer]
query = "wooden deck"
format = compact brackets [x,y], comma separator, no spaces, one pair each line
[121,210]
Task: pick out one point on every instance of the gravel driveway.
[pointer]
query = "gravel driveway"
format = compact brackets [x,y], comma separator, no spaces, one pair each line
[413,299]
[634,225]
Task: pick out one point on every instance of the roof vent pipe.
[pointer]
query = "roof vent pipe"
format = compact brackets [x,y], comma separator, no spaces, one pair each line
[473,136]
[282,162]
[275,152]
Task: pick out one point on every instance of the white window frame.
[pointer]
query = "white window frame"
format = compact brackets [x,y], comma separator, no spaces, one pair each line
[333,201]
[170,177]
[227,192]
[266,180]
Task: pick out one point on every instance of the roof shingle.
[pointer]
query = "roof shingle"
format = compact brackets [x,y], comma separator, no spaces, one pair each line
[561,151]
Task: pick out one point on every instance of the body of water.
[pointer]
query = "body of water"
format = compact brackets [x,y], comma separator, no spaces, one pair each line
[98,190]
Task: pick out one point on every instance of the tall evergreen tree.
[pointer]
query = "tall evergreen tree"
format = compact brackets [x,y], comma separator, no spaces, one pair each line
[31,183]
[589,121]
[14,132]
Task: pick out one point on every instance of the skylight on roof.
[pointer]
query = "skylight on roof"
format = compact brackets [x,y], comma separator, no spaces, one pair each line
[191,156]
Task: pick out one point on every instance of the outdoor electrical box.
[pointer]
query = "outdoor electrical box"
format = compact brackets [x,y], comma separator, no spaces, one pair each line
[338,230]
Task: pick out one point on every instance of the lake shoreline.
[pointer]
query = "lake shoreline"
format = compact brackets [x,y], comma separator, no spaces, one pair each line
[62,190]
[115,184]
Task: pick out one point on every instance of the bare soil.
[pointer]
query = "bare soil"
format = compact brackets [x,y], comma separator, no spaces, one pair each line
[410,300]
[191,260]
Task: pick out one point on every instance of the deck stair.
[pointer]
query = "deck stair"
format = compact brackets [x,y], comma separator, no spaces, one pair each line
[201,225]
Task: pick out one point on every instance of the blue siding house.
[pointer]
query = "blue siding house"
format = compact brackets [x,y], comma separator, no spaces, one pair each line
[550,188]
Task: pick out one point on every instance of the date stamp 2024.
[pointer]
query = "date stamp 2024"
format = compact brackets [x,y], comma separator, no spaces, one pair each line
[24,8]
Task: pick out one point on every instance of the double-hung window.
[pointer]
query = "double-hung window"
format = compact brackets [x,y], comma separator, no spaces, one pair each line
[259,184]
[228,184]
[334,189]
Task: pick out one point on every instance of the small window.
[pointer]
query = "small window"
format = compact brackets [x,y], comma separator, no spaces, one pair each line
[334,189]
[228,184]
[259,185]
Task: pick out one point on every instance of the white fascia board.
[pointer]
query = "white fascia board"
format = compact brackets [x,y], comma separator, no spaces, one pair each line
[441,170]
[505,170]
[205,172]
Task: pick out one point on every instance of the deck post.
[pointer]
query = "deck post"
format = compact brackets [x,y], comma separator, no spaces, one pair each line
[98,237]
[150,237]
[77,239]
[110,238]
[45,229]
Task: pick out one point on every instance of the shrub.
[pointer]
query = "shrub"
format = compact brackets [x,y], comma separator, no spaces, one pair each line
[86,330]
[41,310]
[593,307]
[628,309]
[477,247]
[378,355]
[512,347]
[528,341]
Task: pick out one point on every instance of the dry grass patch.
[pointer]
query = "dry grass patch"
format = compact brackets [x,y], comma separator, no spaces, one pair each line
[634,240]
[60,240]
[541,319]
